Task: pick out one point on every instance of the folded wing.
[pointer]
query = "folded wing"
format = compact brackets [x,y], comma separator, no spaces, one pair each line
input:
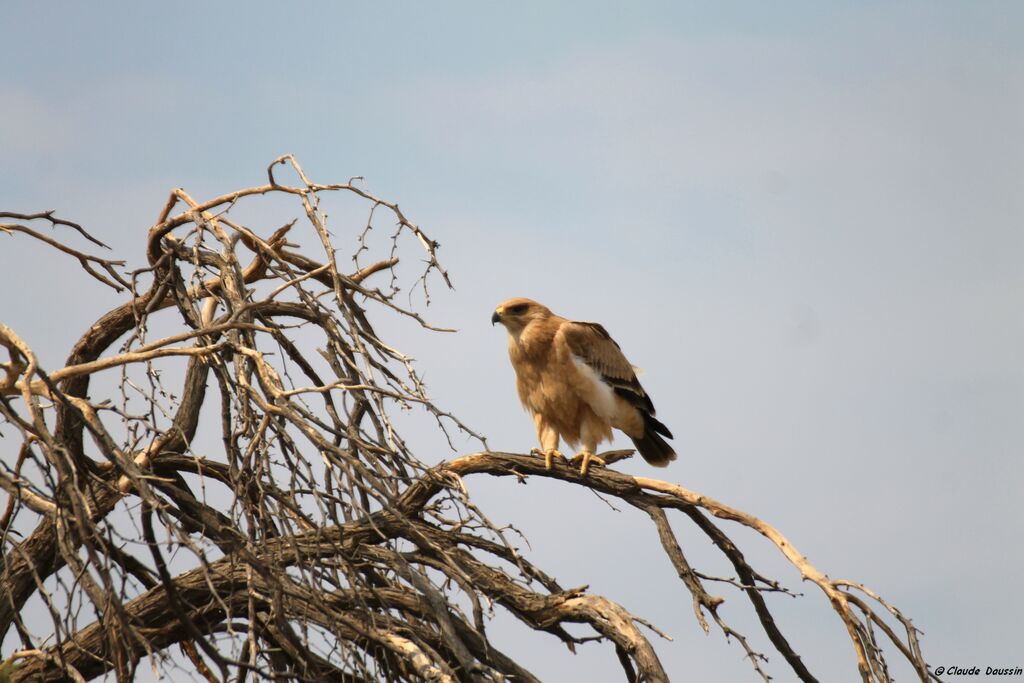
[592,346]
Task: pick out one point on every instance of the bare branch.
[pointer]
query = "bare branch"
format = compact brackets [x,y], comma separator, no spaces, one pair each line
[236,496]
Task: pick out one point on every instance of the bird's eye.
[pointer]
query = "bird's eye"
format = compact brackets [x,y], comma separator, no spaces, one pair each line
[517,309]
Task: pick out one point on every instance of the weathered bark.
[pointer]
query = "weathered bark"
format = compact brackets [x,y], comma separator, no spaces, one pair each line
[309,542]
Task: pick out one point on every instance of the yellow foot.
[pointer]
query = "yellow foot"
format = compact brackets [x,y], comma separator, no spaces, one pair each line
[585,458]
[549,456]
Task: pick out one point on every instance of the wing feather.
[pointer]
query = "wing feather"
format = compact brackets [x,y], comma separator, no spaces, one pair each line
[592,344]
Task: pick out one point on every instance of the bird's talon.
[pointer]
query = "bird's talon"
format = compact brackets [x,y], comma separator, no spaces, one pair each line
[586,459]
[549,456]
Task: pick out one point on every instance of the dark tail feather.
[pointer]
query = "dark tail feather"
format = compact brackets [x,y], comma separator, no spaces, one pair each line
[652,445]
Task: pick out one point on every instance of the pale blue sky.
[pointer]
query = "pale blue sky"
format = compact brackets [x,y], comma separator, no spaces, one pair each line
[804,220]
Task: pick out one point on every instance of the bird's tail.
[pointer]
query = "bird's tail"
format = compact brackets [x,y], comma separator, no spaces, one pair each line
[652,445]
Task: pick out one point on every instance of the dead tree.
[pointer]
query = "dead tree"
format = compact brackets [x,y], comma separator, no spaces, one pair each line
[307,540]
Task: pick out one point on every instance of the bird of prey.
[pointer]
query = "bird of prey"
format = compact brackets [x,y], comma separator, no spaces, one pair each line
[577,383]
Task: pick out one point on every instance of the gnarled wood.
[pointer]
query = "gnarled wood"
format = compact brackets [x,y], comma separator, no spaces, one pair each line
[306,540]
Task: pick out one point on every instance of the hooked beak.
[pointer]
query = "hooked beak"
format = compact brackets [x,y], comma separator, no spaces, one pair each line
[496,318]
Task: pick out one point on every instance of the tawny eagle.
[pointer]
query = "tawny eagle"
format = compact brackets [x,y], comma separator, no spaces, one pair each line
[577,383]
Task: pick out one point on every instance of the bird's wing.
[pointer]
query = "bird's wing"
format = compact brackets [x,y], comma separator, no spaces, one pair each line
[591,344]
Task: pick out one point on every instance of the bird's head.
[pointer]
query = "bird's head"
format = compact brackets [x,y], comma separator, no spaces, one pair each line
[515,314]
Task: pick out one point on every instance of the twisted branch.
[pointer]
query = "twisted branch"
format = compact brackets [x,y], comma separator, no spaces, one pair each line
[239,485]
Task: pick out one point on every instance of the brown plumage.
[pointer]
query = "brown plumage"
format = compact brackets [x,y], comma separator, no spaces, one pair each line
[578,385]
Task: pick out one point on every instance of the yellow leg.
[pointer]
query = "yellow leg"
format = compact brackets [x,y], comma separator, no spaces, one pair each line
[549,456]
[549,438]
[585,458]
